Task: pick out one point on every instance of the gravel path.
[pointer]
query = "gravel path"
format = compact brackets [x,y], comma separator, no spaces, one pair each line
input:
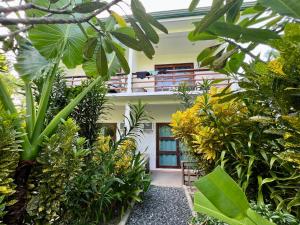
[161,206]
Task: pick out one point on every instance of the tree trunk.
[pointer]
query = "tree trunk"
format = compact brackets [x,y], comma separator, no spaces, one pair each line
[15,213]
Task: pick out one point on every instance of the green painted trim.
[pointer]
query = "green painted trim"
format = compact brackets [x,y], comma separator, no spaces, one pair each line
[180,13]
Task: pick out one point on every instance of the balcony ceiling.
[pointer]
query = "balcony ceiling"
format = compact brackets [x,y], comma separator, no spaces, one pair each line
[178,43]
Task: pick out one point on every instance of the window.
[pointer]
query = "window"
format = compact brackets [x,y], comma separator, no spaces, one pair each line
[171,75]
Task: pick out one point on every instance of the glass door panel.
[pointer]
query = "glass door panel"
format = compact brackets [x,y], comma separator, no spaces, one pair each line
[168,160]
[167,145]
[167,148]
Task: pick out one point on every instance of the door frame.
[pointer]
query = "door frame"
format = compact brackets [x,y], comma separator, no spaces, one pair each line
[166,152]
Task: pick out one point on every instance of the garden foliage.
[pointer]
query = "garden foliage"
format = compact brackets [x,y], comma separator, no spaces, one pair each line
[10,147]
[74,185]
[59,163]
[253,131]
[73,35]
[9,158]
[90,110]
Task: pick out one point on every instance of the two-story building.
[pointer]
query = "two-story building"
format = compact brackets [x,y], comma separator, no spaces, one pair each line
[154,83]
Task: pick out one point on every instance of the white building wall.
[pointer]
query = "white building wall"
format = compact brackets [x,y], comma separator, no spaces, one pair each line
[143,63]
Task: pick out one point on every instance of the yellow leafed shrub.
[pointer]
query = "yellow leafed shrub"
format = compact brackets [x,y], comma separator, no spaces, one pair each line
[122,156]
[204,126]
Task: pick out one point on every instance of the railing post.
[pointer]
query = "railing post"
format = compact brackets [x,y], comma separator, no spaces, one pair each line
[129,77]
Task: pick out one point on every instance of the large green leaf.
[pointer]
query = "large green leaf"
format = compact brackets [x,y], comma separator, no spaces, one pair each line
[120,55]
[216,12]
[226,30]
[235,62]
[284,7]
[220,197]
[101,62]
[193,5]
[126,36]
[207,52]
[242,33]
[157,24]
[145,43]
[90,46]
[258,35]
[140,14]
[201,36]
[233,14]
[55,40]
[30,63]
[90,67]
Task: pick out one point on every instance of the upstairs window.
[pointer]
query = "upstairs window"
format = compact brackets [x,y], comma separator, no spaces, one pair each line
[171,75]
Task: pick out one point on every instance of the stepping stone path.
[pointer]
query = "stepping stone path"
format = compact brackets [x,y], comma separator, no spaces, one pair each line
[161,206]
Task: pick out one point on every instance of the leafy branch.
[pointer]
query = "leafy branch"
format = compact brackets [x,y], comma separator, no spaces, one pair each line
[50,20]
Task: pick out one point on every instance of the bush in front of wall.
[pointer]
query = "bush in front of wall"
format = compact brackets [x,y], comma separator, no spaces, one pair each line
[59,163]
[113,179]
[208,126]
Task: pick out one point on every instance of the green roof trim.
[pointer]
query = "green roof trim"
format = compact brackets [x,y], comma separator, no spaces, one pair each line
[179,13]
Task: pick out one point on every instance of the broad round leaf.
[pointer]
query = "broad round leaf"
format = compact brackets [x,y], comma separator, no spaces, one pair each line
[53,40]
[30,63]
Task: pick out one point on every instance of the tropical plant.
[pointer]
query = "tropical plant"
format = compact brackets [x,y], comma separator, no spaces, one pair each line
[10,147]
[183,93]
[9,158]
[208,124]
[113,178]
[278,217]
[237,28]
[59,95]
[266,211]
[89,110]
[67,33]
[264,158]
[220,197]
[59,163]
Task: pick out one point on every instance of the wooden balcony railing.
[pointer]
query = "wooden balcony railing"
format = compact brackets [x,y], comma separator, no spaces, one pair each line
[163,81]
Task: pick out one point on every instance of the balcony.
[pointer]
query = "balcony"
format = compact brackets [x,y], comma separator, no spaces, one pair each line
[156,81]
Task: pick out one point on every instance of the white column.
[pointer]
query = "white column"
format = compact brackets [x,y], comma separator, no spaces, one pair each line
[130,63]
[127,113]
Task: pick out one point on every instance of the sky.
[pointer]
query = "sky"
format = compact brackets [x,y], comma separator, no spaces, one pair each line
[161,5]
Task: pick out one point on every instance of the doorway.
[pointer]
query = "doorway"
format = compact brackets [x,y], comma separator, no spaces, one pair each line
[168,152]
